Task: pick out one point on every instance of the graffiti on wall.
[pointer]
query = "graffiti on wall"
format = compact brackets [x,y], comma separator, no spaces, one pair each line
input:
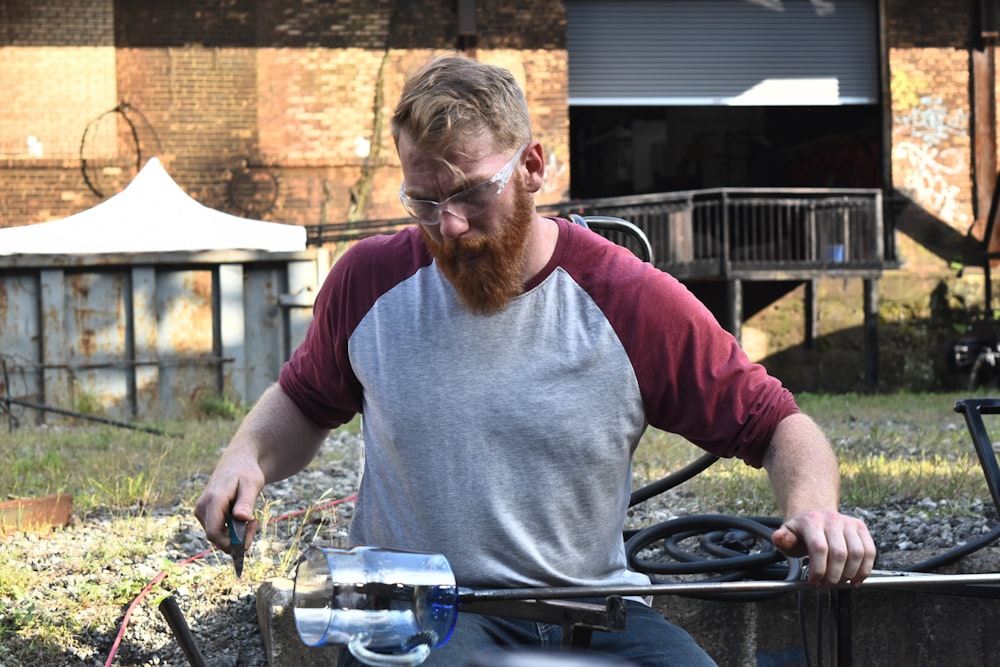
[924,154]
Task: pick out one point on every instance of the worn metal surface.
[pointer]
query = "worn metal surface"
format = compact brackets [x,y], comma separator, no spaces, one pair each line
[150,336]
[35,514]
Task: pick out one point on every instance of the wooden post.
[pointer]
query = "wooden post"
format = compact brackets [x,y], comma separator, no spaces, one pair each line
[871,333]
[812,314]
[734,308]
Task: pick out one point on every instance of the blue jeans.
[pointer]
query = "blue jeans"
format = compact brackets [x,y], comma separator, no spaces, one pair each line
[649,640]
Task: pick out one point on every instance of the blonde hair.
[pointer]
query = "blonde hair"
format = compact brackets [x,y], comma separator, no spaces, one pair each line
[452,98]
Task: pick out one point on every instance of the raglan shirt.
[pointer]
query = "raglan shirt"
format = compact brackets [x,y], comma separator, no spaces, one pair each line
[505,441]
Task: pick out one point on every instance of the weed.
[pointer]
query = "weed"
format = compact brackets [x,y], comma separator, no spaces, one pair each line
[215,406]
[879,480]
[105,467]
[88,404]
[132,492]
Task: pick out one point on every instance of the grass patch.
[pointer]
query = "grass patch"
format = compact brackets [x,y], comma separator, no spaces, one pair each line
[107,467]
[891,447]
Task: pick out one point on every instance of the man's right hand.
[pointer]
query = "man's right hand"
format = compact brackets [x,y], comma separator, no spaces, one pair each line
[231,490]
[274,441]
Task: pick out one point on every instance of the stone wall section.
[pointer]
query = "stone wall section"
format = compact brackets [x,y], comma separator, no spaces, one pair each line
[930,62]
[931,132]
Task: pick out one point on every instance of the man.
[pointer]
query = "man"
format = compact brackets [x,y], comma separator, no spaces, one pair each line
[506,365]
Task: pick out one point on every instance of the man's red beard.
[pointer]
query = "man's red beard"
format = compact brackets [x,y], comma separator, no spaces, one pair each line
[491,274]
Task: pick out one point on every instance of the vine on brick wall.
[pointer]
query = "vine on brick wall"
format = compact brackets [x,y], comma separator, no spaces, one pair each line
[362,190]
[90,175]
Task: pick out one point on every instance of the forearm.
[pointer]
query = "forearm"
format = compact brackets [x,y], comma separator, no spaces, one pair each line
[277,435]
[802,468]
[806,482]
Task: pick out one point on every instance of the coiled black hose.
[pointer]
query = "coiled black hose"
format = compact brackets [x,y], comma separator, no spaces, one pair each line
[733,548]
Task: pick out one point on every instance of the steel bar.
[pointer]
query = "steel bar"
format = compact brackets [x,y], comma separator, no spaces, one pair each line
[80,415]
[578,619]
[11,419]
[175,619]
[842,641]
[985,585]
[973,410]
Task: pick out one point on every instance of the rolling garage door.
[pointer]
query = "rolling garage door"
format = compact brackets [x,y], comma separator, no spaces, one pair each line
[722,52]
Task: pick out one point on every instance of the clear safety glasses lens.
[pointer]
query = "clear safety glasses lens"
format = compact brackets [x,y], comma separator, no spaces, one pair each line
[465,204]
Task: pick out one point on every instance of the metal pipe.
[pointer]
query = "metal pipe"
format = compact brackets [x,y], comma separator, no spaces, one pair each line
[175,619]
[9,400]
[985,585]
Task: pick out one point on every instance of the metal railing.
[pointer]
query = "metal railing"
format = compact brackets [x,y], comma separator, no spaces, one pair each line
[336,232]
[724,230]
[720,231]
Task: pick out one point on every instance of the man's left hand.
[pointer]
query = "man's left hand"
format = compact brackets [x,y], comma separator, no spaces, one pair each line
[839,547]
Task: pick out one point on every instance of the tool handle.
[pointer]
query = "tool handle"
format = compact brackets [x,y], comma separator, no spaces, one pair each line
[237,530]
[182,631]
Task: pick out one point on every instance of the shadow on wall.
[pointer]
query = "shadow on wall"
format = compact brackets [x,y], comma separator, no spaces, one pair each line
[932,233]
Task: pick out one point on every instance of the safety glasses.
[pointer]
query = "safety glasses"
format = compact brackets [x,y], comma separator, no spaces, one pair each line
[465,204]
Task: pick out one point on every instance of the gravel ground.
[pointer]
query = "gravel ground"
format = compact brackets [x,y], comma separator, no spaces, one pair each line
[224,624]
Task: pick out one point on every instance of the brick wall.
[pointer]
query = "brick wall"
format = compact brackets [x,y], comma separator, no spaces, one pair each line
[289,90]
[57,61]
[918,24]
[278,93]
[931,138]
[929,60]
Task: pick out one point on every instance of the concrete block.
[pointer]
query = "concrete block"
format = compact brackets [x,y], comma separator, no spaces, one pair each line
[277,627]
[887,628]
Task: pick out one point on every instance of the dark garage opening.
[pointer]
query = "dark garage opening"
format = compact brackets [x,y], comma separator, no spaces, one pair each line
[635,150]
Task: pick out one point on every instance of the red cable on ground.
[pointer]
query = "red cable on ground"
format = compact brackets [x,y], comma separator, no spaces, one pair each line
[142,594]
[163,573]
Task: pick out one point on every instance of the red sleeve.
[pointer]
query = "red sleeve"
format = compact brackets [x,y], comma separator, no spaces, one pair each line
[318,376]
[694,378]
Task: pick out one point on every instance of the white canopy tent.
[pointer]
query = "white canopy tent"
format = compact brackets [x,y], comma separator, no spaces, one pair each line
[149,301]
[152,214]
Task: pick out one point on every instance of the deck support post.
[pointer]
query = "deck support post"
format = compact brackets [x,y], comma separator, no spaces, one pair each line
[811,314]
[871,333]
[734,308]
